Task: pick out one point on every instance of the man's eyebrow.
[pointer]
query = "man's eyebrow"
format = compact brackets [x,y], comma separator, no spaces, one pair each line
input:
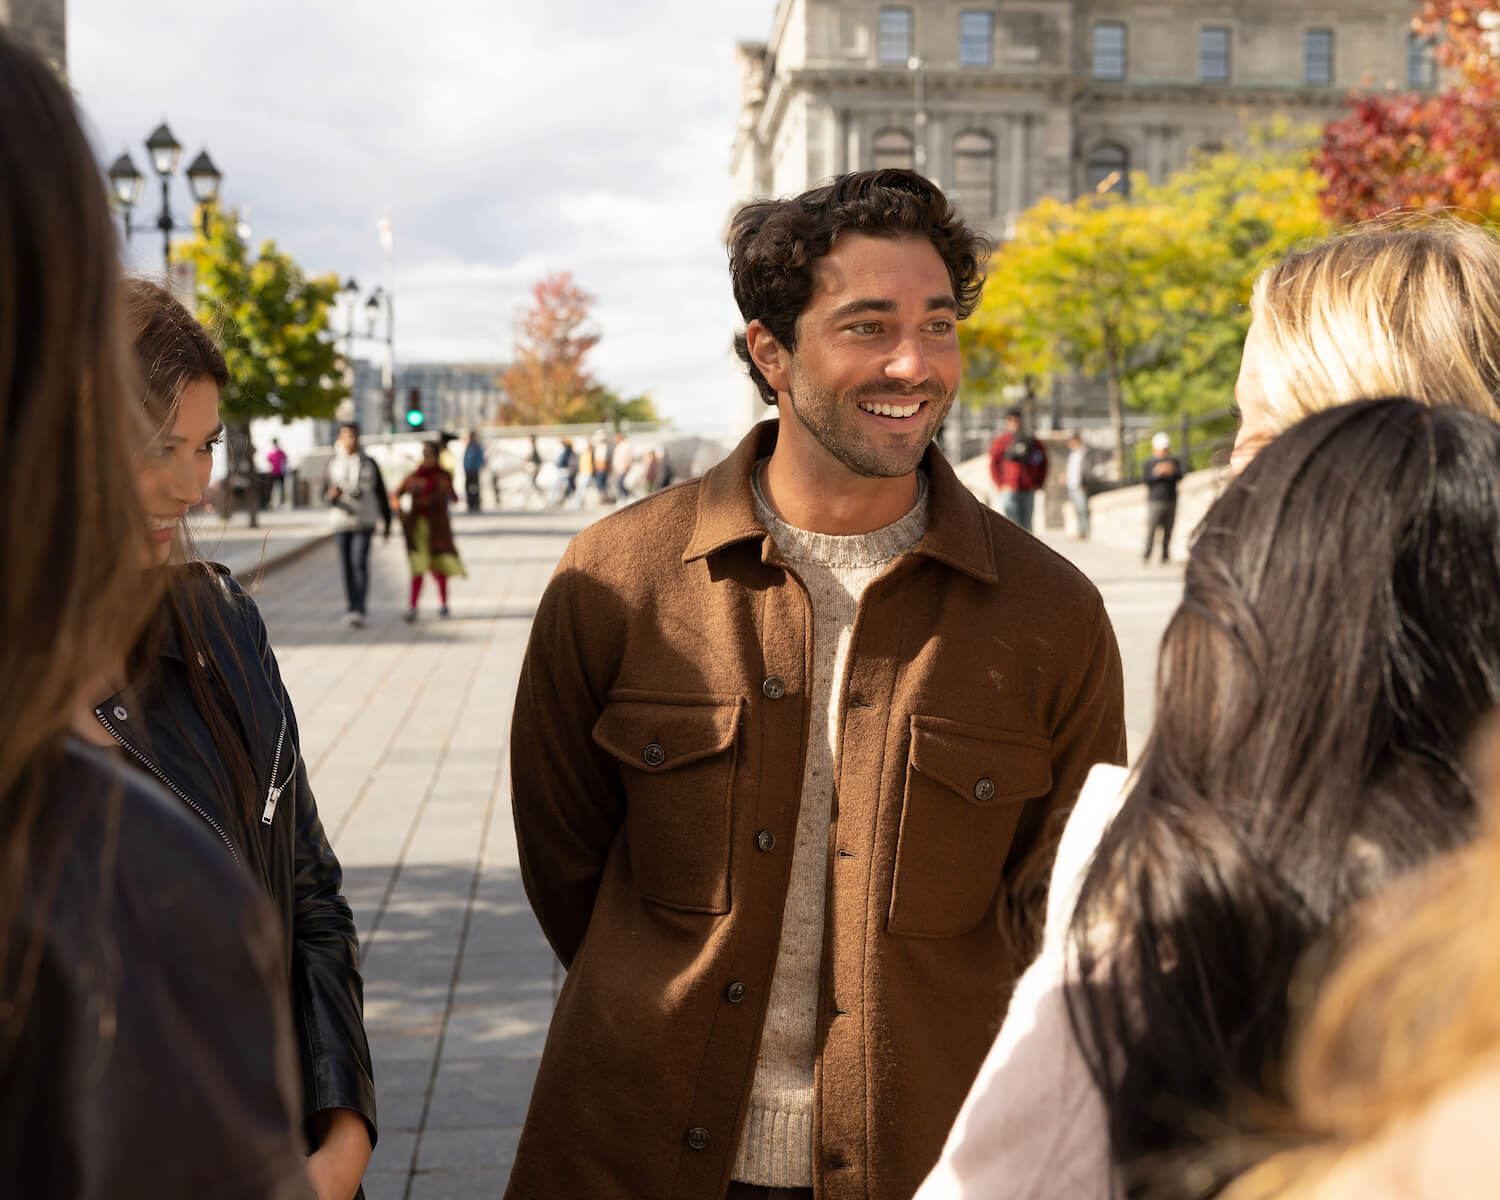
[886,306]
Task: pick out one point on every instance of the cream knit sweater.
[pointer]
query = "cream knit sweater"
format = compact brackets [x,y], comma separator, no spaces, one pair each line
[776,1148]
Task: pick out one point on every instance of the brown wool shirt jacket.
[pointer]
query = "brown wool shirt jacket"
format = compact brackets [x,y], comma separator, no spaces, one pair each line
[656,762]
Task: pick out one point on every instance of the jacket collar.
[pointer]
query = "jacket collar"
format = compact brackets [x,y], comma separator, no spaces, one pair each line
[957,532]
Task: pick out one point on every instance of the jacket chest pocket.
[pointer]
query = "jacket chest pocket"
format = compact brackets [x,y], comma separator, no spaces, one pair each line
[677,758]
[966,787]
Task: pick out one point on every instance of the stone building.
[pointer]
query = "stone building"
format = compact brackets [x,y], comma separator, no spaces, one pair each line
[41,24]
[1006,101]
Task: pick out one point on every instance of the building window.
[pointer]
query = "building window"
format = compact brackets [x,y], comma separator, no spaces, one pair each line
[894,148]
[1421,69]
[895,36]
[1317,57]
[976,36]
[974,172]
[1109,50]
[1108,169]
[1213,54]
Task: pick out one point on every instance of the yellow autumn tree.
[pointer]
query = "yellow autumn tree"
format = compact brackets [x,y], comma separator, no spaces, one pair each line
[1149,291]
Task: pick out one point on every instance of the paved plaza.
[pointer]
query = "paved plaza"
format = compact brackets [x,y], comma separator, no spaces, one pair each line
[405,729]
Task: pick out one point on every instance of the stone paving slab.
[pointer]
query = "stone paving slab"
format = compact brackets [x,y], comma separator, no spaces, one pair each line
[405,731]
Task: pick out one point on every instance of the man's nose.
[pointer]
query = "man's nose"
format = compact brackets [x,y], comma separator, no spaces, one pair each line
[909,362]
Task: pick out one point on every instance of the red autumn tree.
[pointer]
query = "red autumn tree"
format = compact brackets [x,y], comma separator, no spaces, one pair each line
[1420,150]
[548,382]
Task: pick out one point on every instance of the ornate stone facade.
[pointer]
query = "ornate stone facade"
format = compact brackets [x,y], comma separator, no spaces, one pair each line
[1003,103]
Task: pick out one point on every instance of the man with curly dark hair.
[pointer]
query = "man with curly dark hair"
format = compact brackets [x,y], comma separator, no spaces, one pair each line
[789,745]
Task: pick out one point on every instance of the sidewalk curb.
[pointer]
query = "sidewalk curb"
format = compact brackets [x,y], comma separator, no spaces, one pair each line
[250,576]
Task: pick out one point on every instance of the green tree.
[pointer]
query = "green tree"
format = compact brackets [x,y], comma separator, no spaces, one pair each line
[1147,292]
[271,322]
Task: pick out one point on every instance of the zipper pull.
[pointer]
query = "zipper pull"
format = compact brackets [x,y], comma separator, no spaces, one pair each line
[270,811]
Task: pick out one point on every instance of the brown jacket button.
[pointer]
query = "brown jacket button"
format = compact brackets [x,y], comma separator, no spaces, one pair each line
[698,1138]
[765,841]
[774,688]
[735,992]
[984,790]
[654,755]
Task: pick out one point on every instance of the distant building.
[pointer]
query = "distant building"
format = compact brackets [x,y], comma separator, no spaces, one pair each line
[40,24]
[1002,104]
[455,397]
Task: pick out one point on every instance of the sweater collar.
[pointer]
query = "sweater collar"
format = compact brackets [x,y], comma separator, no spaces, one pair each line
[957,533]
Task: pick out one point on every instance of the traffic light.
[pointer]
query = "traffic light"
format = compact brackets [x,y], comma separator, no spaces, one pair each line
[415,417]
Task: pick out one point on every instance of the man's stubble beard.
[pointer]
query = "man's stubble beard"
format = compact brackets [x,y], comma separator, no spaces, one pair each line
[822,418]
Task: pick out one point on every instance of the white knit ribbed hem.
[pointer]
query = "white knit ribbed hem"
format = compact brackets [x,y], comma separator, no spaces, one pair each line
[775,1149]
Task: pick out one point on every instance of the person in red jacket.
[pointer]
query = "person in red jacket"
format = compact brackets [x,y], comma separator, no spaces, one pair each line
[1018,469]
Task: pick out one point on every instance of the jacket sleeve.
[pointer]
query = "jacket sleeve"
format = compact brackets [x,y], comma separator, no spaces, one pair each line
[566,798]
[327,990]
[997,450]
[1088,728]
[1041,470]
[381,499]
[156,986]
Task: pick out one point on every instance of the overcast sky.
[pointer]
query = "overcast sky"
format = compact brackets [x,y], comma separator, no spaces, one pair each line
[507,139]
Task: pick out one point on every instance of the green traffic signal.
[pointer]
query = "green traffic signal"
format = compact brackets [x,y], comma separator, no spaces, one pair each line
[414,418]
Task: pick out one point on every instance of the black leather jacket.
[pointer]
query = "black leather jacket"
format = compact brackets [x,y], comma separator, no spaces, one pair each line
[157,979]
[284,845]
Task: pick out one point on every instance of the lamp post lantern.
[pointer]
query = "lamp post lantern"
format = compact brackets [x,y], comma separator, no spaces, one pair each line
[165,155]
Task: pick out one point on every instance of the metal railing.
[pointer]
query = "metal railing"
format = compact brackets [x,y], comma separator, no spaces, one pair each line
[1202,440]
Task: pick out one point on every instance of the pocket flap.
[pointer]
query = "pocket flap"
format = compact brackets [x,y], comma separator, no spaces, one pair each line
[659,734]
[984,766]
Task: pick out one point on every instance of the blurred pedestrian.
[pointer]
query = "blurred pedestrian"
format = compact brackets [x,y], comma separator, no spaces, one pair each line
[146,1048]
[1018,469]
[650,470]
[276,460]
[1163,471]
[206,712]
[473,466]
[566,483]
[429,533]
[620,464]
[601,455]
[1078,493]
[533,472]
[355,489]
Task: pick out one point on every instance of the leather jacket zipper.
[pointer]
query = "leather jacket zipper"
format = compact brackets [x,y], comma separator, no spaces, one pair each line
[162,775]
[273,793]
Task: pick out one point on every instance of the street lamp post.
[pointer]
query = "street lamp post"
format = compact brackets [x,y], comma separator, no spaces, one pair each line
[165,153]
[919,151]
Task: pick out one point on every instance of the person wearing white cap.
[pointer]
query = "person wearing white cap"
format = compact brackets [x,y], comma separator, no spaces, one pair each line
[1162,474]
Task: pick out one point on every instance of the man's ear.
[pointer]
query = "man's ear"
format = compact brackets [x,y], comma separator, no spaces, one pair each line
[769,356]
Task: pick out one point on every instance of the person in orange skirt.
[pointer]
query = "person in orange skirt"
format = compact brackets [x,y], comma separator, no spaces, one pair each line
[429,534]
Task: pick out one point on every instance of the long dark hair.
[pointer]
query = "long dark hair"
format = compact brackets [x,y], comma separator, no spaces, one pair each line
[72,532]
[173,351]
[1337,643]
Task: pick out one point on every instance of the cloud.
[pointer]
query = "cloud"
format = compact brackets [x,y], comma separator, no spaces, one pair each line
[508,140]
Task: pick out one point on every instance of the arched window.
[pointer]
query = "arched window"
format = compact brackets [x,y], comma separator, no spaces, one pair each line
[1108,169]
[974,172]
[893,148]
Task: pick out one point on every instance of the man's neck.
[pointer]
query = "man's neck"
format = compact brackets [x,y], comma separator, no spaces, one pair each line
[828,498]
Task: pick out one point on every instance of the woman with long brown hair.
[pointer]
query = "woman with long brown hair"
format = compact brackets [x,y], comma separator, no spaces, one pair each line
[144,1046]
[206,713]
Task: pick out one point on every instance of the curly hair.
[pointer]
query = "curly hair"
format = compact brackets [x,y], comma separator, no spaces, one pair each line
[774,243]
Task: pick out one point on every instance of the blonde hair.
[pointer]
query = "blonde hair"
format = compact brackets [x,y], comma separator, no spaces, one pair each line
[1409,1012]
[1404,306]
